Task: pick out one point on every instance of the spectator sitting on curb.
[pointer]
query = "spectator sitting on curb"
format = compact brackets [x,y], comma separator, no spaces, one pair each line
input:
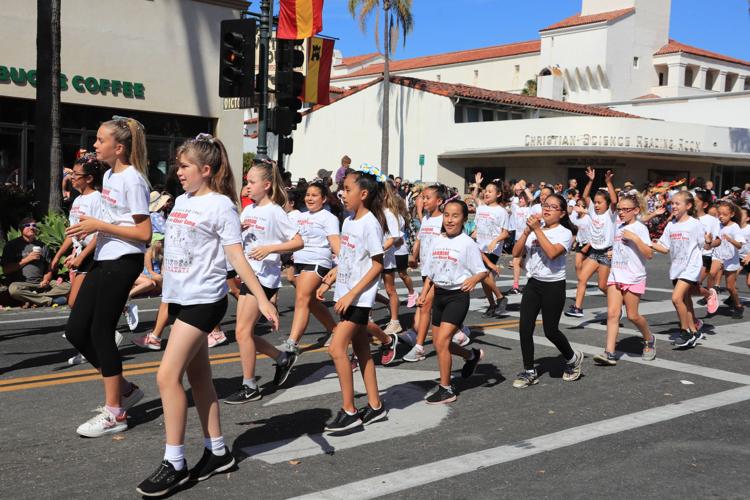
[25,263]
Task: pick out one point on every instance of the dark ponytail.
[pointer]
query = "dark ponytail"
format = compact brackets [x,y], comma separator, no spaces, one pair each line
[375,195]
[93,167]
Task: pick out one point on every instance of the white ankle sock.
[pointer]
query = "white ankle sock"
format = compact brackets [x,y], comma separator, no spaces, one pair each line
[176,455]
[216,445]
[573,359]
[250,382]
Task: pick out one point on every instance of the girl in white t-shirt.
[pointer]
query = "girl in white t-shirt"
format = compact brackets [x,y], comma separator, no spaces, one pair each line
[519,213]
[683,238]
[711,228]
[360,264]
[602,210]
[433,197]
[492,230]
[319,230]
[627,278]
[456,266]
[580,218]
[202,233]
[392,239]
[726,257]
[266,233]
[546,247]
[123,228]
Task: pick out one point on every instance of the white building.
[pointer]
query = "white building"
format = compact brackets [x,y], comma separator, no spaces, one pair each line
[688,108]
[163,57]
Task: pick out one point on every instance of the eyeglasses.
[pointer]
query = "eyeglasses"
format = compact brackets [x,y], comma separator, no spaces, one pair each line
[626,209]
[77,175]
[32,225]
[551,207]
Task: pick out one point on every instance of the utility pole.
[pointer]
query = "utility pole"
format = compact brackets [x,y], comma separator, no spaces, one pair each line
[266,18]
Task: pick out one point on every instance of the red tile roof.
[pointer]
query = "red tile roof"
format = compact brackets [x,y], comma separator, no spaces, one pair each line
[494,52]
[675,47]
[354,60]
[499,97]
[494,96]
[579,20]
[648,96]
[336,90]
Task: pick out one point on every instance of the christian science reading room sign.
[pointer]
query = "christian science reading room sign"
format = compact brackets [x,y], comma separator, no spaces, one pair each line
[81,84]
[613,141]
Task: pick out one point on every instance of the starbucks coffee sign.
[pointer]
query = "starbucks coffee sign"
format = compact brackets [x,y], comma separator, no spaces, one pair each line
[79,83]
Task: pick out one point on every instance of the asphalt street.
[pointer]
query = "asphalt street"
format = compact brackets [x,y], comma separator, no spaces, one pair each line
[675,427]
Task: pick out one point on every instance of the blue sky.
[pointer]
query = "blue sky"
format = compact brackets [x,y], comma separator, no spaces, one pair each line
[442,26]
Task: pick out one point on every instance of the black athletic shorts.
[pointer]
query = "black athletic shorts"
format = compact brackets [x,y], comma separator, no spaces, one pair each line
[580,249]
[231,274]
[402,263]
[492,258]
[691,283]
[270,292]
[450,306]
[87,264]
[313,268]
[707,263]
[357,315]
[204,317]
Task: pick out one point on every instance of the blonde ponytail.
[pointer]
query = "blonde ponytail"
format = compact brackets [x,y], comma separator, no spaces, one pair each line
[208,150]
[272,174]
[132,135]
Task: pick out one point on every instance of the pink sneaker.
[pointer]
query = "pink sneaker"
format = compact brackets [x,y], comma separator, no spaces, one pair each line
[712,304]
[216,338]
[411,299]
[148,341]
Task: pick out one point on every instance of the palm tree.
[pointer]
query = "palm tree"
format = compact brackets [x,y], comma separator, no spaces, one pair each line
[530,88]
[396,17]
[47,149]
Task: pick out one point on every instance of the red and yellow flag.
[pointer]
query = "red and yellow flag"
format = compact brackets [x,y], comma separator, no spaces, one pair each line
[318,78]
[300,19]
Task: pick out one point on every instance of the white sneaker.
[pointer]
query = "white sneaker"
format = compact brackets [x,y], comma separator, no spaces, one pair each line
[416,354]
[102,424]
[216,338]
[131,399]
[131,314]
[77,360]
[393,328]
[147,341]
[461,338]
[118,338]
[409,337]
[289,346]
[63,336]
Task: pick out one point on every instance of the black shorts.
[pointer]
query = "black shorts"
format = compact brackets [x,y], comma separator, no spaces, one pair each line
[600,256]
[580,249]
[86,265]
[450,306]
[707,263]
[402,263]
[357,315]
[231,274]
[270,292]
[691,283]
[204,317]
[492,258]
[313,268]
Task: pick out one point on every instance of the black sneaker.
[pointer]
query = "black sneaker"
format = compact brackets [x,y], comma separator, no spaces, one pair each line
[369,415]
[163,480]
[441,396]
[244,395]
[284,365]
[728,301]
[471,365]
[501,307]
[702,302]
[514,291]
[686,339]
[737,312]
[211,464]
[343,422]
[489,313]
[575,312]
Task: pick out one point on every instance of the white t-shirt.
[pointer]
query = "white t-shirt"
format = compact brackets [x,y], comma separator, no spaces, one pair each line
[315,228]
[266,225]
[602,232]
[403,248]
[535,210]
[628,264]
[726,252]
[583,236]
[541,267]
[293,215]
[89,205]
[745,246]
[490,220]
[428,231]
[518,217]
[684,240]
[389,259]
[710,225]
[195,265]
[124,195]
[361,240]
[454,260]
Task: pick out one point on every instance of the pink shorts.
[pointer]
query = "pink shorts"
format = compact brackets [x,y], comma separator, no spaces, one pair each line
[636,288]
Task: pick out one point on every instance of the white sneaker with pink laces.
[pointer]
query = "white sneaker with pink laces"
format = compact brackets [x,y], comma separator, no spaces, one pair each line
[216,338]
[148,341]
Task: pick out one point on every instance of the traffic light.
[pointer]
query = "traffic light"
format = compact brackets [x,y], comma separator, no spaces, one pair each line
[285,116]
[237,65]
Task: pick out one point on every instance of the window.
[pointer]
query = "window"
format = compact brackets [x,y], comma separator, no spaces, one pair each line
[488,115]
[689,76]
[516,116]
[437,77]
[711,79]
[730,81]
[472,114]
[518,68]
[636,62]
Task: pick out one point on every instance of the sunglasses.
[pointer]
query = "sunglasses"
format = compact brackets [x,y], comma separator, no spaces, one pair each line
[32,225]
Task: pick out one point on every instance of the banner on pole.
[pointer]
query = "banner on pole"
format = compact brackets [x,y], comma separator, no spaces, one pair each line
[300,19]
[318,79]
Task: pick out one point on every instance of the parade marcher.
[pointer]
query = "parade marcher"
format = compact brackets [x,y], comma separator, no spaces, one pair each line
[726,257]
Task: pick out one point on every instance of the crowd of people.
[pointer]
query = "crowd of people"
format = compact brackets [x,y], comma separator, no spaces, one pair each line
[348,232]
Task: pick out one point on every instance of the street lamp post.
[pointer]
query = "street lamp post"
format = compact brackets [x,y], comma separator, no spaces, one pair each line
[266,17]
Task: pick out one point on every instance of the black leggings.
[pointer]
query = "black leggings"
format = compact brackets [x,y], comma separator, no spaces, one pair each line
[101,299]
[549,297]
